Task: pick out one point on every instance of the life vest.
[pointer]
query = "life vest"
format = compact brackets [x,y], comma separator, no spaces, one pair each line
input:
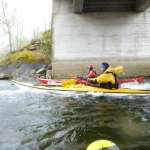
[91,74]
[110,85]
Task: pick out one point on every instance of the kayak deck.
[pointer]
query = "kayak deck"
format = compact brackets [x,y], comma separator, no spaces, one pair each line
[84,88]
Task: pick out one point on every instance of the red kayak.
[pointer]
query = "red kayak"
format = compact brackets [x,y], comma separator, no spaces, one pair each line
[50,81]
[137,79]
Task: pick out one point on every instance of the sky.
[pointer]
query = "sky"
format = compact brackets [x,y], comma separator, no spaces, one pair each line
[36,14]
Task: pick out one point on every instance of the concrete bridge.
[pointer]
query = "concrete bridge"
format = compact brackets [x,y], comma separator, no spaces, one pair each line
[93,31]
[86,6]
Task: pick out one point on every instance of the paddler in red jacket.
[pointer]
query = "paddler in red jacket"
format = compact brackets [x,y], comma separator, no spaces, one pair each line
[91,73]
[108,79]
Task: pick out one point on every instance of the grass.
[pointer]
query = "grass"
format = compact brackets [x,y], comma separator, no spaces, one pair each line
[26,57]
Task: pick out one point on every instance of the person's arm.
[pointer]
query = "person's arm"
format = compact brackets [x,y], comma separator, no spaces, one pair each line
[98,80]
[80,78]
[94,81]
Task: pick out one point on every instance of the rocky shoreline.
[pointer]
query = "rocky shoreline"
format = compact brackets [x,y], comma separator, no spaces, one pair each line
[25,71]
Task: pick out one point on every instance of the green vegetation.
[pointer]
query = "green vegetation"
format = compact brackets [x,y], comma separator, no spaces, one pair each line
[27,57]
[47,42]
[37,54]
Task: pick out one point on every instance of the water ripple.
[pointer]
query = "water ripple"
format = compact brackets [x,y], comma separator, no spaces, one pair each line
[39,119]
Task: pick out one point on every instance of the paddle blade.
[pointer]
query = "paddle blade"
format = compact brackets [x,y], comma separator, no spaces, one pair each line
[73,76]
[68,83]
[102,144]
[118,69]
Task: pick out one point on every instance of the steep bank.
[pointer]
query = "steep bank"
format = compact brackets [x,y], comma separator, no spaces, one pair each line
[26,63]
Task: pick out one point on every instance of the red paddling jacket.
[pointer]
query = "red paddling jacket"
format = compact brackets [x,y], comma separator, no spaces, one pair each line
[91,74]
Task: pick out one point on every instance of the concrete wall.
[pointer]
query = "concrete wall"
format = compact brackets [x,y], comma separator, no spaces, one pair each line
[119,38]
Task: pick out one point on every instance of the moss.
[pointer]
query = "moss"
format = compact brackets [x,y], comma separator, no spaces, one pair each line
[27,57]
[42,51]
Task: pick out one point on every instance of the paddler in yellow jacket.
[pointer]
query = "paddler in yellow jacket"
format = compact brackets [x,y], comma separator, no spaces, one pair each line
[108,79]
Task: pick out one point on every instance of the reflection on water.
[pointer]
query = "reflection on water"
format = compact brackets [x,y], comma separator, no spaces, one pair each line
[44,120]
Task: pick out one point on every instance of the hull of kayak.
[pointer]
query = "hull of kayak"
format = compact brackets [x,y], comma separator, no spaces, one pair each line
[49,81]
[138,79]
[85,88]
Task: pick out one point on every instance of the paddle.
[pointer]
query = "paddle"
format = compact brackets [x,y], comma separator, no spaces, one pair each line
[102,144]
[68,83]
[116,70]
[72,76]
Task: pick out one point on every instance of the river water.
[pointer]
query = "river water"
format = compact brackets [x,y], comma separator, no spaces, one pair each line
[34,119]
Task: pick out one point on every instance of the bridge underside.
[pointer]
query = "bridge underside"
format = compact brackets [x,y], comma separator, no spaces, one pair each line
[85,6]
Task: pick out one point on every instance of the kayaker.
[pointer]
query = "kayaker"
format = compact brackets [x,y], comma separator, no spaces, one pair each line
[91,73]
[108,79]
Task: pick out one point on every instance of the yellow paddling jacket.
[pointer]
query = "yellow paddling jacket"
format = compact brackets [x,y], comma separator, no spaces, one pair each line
[106,80]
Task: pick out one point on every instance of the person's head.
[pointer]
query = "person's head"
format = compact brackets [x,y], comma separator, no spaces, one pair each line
[104,66]
[90,67]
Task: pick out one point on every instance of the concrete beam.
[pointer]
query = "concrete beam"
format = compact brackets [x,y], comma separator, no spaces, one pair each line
[142,5]
[78,6]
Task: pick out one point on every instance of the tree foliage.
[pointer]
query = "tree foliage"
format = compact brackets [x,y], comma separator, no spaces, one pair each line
[47,42]
[7,21]
[12,26]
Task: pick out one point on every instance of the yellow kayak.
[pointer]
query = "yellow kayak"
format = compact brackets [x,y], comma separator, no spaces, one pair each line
[85,88]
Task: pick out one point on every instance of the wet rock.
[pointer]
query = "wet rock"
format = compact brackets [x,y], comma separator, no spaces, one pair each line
[4,76]
[41,71]
[22,70]
[49,67]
